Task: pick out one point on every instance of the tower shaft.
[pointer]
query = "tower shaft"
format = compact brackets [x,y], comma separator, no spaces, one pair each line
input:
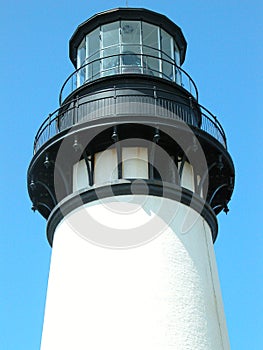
[163,294]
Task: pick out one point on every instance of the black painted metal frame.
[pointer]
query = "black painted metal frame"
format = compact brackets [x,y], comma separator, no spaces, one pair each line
[220,167]
[149,188]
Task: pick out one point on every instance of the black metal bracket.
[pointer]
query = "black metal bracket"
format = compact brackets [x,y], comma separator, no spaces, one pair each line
[47,164]
[115,138]
[156,138]
[33,187]
[90,172]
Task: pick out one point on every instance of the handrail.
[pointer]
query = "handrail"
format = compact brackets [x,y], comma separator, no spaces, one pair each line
[215,121]
[144,68]
[90,106]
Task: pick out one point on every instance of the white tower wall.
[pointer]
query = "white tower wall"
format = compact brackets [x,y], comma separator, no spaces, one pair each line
[159,295]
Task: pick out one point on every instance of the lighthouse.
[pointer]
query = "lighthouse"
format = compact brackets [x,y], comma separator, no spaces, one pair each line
[131,172]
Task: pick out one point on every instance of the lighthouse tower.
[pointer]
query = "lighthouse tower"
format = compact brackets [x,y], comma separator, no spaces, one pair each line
[130,172]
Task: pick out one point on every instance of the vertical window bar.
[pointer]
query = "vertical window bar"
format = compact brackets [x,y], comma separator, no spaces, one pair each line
[141,52]
[159,52]
[173,57]
[101,52]
[119,53]
[120,43]
[86,59]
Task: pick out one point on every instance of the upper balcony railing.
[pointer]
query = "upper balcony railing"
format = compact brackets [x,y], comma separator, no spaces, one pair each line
[128,63]
[122,102]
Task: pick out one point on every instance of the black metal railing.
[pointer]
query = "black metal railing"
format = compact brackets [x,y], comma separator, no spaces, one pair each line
[120,102]
[119,64]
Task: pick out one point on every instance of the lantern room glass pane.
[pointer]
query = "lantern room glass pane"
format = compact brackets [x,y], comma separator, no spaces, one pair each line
[110,48]
[110,34]
[81,60]
[176,55]
[111,60]
[131,60]
[166,47]
[150,36]
[93,54]
[178,74]
[131,32]
[81,53]
[151,45]
[93,42]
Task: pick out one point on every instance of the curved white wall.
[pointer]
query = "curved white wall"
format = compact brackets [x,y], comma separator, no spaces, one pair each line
[134,161]
[159,295]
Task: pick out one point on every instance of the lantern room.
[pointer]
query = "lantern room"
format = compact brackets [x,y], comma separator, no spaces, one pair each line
[126,46]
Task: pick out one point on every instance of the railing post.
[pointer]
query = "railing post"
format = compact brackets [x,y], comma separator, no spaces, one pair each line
[49,117]
[218,128]
[155,100]
[115,102]
[174,72]
[191,102]
[191,110]
[75,110]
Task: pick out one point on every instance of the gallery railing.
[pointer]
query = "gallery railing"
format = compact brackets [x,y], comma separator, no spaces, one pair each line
[120,102]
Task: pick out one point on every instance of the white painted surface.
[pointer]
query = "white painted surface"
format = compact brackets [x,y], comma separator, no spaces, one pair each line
[160,295]
[80,176]
[105,166]
[135,163]
[134,166]
[187,179]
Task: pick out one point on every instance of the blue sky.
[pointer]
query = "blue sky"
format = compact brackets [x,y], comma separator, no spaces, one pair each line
[224,58]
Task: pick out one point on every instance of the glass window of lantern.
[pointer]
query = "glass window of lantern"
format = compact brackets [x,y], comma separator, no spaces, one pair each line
[166,47]
[131,32]
[81,53]
[111,61]
[151,47]
[93,54]
[178,74]
[176,55]
[110,34]
[131,47]
[110,48]
[81,60]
